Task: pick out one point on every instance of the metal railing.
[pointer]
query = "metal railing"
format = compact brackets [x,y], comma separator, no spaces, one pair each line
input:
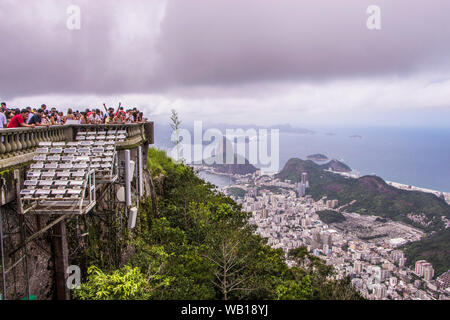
[20,141]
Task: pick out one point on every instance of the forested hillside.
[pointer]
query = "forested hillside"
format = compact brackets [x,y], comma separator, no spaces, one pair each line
[434,248]
[372,194]
[197,243]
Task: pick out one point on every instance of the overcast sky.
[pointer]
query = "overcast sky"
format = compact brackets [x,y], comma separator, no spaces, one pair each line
[241,61]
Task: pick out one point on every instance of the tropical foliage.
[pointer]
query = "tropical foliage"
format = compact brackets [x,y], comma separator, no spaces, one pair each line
[198,244]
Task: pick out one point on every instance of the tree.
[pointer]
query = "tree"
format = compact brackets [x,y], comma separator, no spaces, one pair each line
[294,290]
[322,277]
[123,284]
[201,246]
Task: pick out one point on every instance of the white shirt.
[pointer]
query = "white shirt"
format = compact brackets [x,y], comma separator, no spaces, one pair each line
[2,120]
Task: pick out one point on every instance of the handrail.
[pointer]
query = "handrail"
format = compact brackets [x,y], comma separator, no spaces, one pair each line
[20,141]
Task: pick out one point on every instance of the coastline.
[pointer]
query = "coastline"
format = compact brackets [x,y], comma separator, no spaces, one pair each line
[351,175]
[401,186]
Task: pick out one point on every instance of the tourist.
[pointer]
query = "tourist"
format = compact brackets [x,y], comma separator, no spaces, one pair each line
[30,113]
[55,117]
[60,118]
[36,119]
[83,118]
[19,120]
[70,115]
[3,121]
[110,118]
[9,115]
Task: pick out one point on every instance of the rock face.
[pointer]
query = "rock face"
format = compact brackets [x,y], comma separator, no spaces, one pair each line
[40,261]
[239,165]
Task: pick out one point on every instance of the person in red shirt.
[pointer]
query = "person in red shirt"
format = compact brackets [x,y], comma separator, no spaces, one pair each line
[19,120]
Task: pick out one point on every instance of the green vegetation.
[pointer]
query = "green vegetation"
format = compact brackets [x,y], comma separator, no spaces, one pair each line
[198,244]
[330,216]
[237,192]
[337,166]
[375,236]
[373,196]
[273,189]
[158,161]
[434,248]
[317,157]
[123,284]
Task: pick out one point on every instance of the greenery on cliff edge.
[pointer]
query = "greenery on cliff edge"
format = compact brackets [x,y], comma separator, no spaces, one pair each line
[199,245]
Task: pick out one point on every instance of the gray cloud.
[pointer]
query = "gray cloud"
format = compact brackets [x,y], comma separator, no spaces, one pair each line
[227,42]
[120,48]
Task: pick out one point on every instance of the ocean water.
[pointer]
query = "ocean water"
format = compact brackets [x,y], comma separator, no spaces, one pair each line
[409,155]
[218,180]
[413,156]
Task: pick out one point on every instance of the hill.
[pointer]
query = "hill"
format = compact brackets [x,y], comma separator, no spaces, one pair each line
[372,194]
[336,166]
[240,165]
[434,248]
[330,216]
[198,244]
[237,167]
[317,157]
[236,192]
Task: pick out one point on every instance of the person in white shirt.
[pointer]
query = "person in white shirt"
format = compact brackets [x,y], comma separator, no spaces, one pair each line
[30,114]
[95,117]
[3,120]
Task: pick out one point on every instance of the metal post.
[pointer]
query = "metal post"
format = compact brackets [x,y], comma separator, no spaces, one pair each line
[136,172]
[24,226]
[127,179]
[61,255]
[140,172]
[3,255]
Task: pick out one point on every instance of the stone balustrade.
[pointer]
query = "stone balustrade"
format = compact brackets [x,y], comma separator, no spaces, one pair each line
[18,145]
[14,142]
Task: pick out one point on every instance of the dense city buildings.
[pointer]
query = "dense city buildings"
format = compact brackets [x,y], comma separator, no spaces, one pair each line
[288,218]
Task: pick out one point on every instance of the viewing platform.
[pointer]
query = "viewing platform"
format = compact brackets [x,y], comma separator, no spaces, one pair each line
[58,183]
[19,146]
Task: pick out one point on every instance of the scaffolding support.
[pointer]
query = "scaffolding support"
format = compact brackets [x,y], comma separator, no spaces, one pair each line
[24,237]
[3,255]
[111,214]
[61,252]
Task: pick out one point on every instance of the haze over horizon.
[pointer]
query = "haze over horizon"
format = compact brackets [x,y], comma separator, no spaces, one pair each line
[253,61]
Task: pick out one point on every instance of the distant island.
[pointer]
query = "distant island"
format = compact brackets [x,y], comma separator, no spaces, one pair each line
[356,136]
[317,157]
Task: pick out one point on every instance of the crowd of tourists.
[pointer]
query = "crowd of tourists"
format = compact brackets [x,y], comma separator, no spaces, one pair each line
[44,116]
